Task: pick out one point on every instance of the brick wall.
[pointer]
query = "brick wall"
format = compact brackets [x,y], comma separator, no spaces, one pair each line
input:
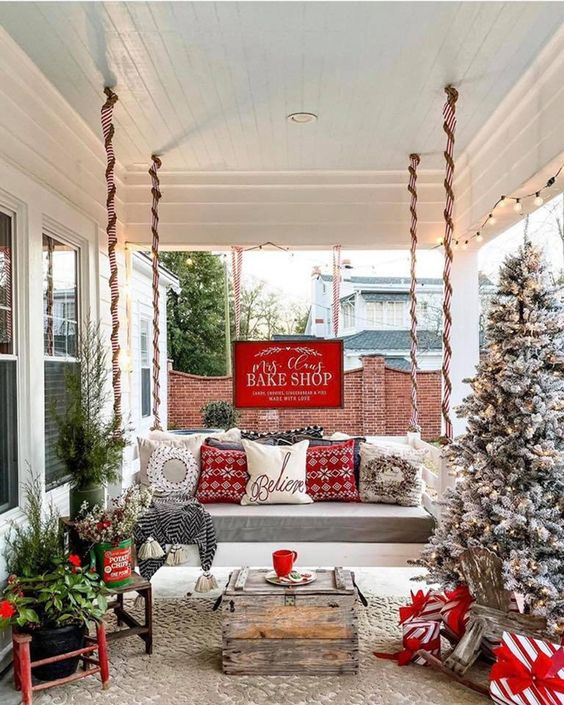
[377,402]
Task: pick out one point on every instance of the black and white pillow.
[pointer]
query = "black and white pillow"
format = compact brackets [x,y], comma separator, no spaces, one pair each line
[280,438]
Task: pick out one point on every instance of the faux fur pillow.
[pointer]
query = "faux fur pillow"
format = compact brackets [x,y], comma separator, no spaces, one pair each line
[391,476]
[277,474]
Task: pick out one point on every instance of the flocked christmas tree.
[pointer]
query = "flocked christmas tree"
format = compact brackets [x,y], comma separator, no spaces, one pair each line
[510,462]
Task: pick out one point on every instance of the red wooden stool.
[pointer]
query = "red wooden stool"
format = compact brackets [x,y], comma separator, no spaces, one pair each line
[23,663]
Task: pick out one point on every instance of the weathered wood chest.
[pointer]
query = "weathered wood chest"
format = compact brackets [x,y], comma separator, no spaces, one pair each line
[272,630]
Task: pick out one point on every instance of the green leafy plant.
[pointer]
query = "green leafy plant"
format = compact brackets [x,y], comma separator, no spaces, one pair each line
[90,442]
[219,414]
[66,594]
[32,544]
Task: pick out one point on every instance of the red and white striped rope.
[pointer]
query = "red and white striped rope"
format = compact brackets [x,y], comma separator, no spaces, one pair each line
[111,230]
[412,188]
[449,127]
[237,267]
[156,194]
[336,288]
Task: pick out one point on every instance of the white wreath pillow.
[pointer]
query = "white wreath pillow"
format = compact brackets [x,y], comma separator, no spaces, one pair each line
[173,469]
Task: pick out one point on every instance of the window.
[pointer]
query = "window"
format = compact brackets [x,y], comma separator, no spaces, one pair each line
[347,314]
[386,314]
[8,371]
[145,366]
[60,338]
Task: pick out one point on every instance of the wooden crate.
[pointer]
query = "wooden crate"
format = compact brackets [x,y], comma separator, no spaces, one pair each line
[272,630]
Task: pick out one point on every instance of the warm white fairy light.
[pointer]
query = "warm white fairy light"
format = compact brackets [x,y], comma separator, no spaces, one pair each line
[539,200]
[518,206]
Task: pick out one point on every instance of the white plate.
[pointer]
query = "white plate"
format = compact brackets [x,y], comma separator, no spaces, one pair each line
[306,577]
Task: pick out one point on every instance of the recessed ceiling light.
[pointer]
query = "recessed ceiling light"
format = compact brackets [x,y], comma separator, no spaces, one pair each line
[302,118]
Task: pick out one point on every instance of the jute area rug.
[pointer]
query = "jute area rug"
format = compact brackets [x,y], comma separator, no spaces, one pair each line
[185,669]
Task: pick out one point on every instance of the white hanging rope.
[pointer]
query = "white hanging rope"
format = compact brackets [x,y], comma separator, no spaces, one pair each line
[336,288]
[412,188]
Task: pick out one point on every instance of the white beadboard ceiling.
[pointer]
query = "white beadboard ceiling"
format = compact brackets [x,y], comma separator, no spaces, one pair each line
[209,85]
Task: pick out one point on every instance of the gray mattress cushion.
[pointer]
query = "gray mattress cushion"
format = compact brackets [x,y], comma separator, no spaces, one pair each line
[321,522]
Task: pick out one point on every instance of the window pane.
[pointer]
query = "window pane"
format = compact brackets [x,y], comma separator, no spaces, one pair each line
[60,298]
[145,391]
[6,320]
[8,435]
[55,403]
[60,328]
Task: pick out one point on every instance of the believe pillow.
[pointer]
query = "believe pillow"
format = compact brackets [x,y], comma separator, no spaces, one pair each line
[330,473]
[223,475]
[277,474]
[391,477]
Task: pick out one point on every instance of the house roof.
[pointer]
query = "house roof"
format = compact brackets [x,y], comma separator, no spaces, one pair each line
[391,340]
[385,296]
[397,363]
[387,281]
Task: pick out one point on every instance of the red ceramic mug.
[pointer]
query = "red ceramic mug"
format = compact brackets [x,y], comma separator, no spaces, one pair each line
[283,562]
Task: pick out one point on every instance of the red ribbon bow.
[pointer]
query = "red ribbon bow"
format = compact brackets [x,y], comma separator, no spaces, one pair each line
[455,618]
[542,677]
[411,645]
[419,601]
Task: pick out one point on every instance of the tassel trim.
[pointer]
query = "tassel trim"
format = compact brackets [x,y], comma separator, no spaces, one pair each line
[206,582]
[150,549]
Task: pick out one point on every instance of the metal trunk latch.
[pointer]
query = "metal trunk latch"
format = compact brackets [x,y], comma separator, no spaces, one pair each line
[289,599]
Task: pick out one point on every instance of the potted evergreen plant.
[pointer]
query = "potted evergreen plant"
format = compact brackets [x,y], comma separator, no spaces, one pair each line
[49,594]
[90,441]
[219,415]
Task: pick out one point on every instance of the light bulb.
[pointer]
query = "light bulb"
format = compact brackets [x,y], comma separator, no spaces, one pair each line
[518,206]
[502,203]
[456,244]
[439,241]
[539,200]
[491,219]
[465,245]
[479,237]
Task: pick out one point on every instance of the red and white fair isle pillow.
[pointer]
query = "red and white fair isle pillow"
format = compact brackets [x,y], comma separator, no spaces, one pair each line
[223,476]
[330,473]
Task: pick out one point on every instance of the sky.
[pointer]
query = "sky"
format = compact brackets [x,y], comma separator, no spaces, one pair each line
[290,272]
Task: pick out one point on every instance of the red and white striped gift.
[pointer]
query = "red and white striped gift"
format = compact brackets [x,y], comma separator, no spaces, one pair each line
[454,612]
[527,672]
[424,606]
[417,634]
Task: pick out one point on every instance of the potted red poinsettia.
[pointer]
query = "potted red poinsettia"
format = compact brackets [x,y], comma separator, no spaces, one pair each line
[55,607]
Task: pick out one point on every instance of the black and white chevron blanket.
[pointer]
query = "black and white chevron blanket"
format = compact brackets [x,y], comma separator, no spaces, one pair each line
[175,521]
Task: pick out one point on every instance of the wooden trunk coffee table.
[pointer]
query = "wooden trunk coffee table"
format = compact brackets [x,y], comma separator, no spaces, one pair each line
[272,630]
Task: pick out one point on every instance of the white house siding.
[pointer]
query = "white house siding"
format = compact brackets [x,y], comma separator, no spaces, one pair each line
[52,174]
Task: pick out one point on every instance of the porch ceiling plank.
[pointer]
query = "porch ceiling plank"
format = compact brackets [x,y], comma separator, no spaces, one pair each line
[209,86]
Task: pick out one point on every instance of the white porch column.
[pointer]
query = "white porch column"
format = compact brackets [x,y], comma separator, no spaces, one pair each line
[465,332]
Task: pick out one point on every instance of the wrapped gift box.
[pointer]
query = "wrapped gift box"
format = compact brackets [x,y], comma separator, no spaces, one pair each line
[527,672]
[454,612]
[424,606]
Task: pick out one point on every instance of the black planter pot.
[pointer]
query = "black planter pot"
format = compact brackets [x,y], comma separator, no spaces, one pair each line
[53,641]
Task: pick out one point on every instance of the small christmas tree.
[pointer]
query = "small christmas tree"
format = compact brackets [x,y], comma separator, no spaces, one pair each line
[510,462]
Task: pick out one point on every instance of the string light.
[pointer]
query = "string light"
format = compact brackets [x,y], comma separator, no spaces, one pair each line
[465,245]
[501,203]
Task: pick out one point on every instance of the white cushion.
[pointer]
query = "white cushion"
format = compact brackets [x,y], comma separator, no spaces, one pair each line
[277,474]
[391,475]
[192,442]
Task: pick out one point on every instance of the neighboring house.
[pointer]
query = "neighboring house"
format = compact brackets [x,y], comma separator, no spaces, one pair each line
[374,318]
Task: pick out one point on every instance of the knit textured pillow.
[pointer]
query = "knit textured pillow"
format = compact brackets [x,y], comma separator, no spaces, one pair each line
[330,473]
[391,477]
[223,476]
